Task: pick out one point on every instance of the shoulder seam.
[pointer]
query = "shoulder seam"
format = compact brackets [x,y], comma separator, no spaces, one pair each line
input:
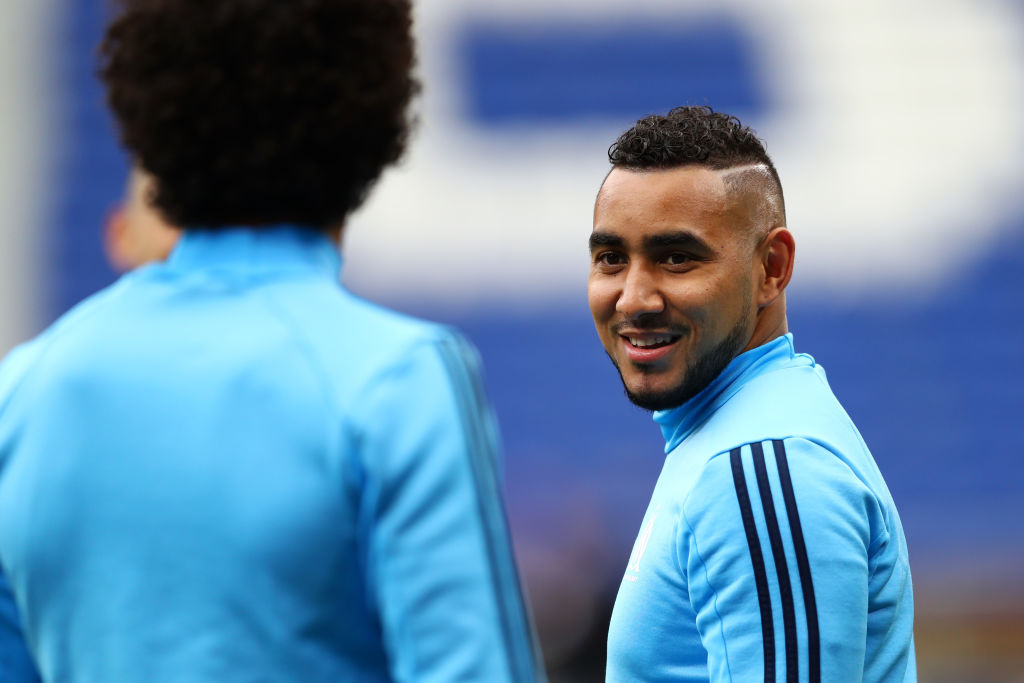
[846,466]
[296,333]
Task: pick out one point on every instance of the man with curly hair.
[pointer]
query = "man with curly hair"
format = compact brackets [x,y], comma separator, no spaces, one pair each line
[771,549]
[226,467]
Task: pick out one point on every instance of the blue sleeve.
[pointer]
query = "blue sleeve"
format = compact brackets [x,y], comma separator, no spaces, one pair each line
[15,663]
[775,542]
[439,559]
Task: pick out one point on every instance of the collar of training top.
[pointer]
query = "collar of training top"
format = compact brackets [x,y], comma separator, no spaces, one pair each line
[263,249]
[678,423]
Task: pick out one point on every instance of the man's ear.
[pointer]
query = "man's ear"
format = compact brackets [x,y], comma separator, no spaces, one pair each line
[776,252]
[115,229]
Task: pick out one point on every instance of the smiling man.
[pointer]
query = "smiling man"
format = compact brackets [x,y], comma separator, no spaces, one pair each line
[771,549]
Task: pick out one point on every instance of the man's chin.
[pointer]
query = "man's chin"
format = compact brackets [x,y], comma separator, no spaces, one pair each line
[652,399]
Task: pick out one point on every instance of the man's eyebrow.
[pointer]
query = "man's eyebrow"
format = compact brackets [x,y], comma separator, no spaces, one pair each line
[679,238]
[604,239]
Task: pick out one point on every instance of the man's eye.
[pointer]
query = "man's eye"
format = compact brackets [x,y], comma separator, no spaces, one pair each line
[610,258]
[677,259]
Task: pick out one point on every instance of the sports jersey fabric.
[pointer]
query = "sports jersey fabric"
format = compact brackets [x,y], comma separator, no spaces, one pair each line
[771,549]
[227,468]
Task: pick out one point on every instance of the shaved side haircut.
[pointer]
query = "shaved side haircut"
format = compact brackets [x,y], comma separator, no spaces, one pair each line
[700,136]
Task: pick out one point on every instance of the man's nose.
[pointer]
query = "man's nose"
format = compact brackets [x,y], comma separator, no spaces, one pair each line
[640,294]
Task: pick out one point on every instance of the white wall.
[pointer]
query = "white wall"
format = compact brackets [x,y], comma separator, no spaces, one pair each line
[27,36]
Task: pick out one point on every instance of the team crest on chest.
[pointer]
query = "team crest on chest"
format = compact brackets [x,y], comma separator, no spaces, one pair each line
[640,547]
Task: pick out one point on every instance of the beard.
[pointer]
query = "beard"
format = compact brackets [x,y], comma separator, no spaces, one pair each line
[699,373]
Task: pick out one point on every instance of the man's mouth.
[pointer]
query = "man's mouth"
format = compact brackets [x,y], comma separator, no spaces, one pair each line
[648,347]
[649,342]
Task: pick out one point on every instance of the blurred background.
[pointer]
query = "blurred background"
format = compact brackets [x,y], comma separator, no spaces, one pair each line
[898,130]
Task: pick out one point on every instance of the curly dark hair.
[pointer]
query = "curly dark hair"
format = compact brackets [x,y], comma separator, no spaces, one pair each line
[256,112]
[695,135]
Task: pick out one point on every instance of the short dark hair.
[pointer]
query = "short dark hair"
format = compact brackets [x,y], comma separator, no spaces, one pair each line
[256,112]
[695,135]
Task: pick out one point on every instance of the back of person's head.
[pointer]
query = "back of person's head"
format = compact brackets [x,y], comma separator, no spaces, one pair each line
[260,112]
[697,136]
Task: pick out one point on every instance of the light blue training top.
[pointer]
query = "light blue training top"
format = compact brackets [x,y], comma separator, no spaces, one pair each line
[226,468]
[771,549]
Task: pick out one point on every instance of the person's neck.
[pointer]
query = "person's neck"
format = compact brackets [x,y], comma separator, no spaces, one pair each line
[771,323]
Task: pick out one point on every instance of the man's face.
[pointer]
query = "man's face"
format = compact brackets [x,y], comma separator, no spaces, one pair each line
[672,279]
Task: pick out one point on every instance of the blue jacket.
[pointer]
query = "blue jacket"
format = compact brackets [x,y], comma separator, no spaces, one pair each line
[771,549]
[227,468]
